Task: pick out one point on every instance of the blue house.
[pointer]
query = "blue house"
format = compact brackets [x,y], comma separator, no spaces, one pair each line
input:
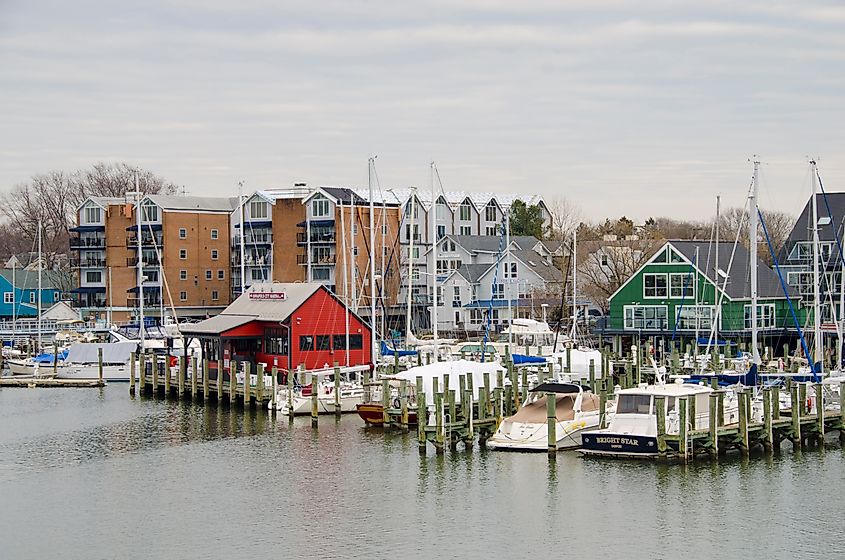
[20,293]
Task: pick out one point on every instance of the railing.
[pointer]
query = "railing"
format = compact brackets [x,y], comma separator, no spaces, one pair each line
[133,262]
[325,259]
[88,263]
[146,241]
[87,242]
[253,239]
[30,326]
[327,237]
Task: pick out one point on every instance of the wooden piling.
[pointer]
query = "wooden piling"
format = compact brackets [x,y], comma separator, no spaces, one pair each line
[193,376]
[497,407]
[385,402]
[743,422]
[551,419]
[819,412]
[660,408]
[469,425]
[259,385]
[439,436]
[338,404]
[802,399]
[592,375]
[233,383]
[603,404]
[842,412]
[291,374]
[99,363]
[142,370]
[132,374]
[315,394]
[683,423]
[488,406]
[713,425]
[422,420]
[775,398]
[568,368]
[795,436]
[182,371]
[767,420]
[154,363]
[720,398]
[403,404]
[166,370]
[247,384]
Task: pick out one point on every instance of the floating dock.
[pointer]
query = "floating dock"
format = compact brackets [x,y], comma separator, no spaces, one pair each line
[32,382]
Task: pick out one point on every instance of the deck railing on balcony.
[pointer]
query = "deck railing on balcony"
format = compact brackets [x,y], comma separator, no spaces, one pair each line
[87,243]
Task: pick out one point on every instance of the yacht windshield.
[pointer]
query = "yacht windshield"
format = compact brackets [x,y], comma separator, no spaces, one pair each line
[634,404]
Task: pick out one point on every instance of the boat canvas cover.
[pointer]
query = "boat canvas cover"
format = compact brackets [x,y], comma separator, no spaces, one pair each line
[537,413]
[454,369]
[113,352]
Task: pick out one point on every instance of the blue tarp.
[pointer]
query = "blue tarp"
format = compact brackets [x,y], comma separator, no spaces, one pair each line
[523,359]
[388,351]
[47,358]
[702,341]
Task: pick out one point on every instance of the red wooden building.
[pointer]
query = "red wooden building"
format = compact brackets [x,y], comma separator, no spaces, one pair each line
[283,325]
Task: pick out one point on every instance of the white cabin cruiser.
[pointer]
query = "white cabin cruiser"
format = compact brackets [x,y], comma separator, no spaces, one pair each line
[576,411]
[82,361]
[633,430]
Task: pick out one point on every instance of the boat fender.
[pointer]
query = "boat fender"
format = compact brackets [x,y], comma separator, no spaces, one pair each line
[397,403]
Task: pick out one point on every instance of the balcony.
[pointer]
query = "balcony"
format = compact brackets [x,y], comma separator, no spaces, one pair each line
[252,260]
[146,241]
[88,263]
[317,237]
[254,238]
[316,260]
[87,243]
[148,262]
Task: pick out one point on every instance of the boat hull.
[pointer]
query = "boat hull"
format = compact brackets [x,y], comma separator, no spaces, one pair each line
[606,444]
[568,436]
[325,405]
[110,373]
[373,413]
[28,369]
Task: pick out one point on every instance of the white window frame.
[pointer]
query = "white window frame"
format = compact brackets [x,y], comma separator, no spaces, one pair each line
[183,233]
[209,274]
[183,296]
[215,254]
[630,319]
[183,254]
[466,230]
[686,278]
[258,210]
[320,207]
[665,285]
[215,295]
[764,320]
[8,297]
[497,291]
[32,297]
[487,210]
[688,315]
[95,211]
[215,235]
[465,212]
[183,275]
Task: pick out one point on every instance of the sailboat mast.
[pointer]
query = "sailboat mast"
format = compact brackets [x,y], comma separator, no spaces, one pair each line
[353,261]
[718,313]
[374,348]
[40,267]
[817,320]
[140,266]
[752,243]
[433,231]
[508,276]
[574,284]
[413,206]
[840,325]
[345,277]
[243,234]
[695,299]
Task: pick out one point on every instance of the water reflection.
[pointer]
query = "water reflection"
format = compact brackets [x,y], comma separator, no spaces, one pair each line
[250,483]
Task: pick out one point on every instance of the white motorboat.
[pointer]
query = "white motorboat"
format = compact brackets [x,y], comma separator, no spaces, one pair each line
[37,366]
[576,411]
[82,361]
[633,430]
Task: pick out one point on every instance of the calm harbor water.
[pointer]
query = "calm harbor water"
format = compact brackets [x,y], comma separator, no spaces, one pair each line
[95,474]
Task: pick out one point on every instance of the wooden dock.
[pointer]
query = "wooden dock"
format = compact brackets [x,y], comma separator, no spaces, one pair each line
[32,382]
[190,379]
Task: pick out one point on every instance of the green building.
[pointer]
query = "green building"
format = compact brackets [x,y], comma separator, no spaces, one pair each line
[675,294]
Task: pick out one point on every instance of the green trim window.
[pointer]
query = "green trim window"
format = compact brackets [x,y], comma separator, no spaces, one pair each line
[681,285]
[654,285]
[648,317]
[765,316]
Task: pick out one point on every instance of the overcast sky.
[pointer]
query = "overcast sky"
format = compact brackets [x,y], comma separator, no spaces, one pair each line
[636,108]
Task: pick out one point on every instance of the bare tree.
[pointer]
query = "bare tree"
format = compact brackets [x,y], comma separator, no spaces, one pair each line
[604,266]
[53,198]
[778,225]
[565,217]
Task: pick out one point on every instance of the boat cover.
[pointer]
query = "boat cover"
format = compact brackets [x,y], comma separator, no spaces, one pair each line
[387,351]
[454,369]
[521,359]
[113,352]
[47,357]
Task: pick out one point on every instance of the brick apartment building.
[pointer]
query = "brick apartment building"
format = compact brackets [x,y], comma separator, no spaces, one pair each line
[185,252]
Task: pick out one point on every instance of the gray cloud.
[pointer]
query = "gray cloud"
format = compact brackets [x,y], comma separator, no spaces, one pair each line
[622,107]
